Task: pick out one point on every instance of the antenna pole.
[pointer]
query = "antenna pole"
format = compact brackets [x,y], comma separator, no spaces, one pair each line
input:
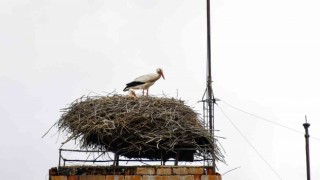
[210,98]
[306,126]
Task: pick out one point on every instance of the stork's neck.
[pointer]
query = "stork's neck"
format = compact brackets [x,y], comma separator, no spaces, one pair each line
[155,77]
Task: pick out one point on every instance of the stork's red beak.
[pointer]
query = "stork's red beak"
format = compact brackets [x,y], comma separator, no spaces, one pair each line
[162,75]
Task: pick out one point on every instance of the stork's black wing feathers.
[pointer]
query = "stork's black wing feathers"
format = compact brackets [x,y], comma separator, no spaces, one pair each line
[131,84]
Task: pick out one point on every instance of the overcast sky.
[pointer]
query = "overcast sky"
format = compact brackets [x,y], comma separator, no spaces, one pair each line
[265,60]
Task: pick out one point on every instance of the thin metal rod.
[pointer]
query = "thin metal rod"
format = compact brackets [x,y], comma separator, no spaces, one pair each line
[209,78]
[210,98]
[59,157]
[306,126]
[74,150]
[129,160]
[86,151]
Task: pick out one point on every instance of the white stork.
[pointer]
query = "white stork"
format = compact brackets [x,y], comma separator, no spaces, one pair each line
[145,81]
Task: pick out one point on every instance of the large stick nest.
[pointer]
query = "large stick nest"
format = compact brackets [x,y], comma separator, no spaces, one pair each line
[146,127]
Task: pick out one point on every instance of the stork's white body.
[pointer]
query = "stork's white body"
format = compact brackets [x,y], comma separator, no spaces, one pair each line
[145,81]
[148,80]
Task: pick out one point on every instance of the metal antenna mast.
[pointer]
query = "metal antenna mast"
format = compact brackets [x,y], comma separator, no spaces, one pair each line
[306,126]
[210,98]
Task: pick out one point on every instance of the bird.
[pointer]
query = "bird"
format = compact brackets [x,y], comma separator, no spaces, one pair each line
[145,81]
[132,94]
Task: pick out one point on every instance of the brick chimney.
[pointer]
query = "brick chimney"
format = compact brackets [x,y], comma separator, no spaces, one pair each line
[133,173]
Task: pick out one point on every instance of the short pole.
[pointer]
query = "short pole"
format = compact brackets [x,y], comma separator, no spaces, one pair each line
[59,157]
[306,126]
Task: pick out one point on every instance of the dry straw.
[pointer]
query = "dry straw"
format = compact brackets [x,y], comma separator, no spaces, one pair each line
[144,127]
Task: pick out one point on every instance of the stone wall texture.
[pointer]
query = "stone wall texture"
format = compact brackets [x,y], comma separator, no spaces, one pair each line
[133,173]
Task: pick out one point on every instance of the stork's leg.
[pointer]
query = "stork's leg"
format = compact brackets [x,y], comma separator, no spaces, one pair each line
[142,91]
[147,92]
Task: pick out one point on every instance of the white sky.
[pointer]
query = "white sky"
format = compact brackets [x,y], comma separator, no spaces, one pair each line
[265,61]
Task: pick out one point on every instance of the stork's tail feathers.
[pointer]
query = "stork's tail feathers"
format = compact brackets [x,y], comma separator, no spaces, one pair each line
[132,84]
[126,89]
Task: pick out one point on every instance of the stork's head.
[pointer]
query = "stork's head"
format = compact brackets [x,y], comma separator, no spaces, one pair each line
[159,71]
